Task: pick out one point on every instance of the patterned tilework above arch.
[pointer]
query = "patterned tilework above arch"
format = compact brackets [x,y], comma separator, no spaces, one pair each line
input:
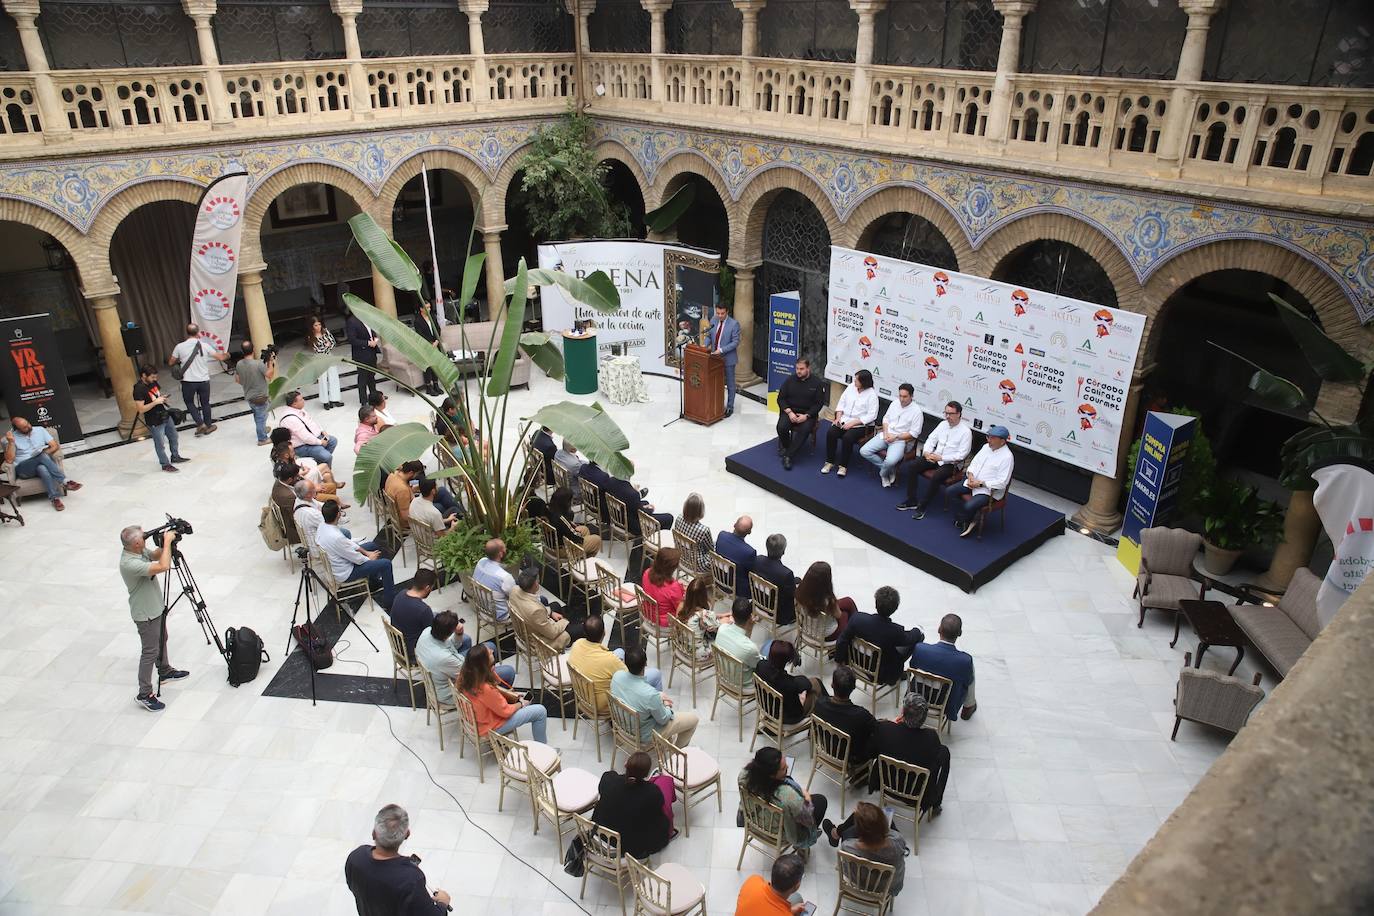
[1149,229]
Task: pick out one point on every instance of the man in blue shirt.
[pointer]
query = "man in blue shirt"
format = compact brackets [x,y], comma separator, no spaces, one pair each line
[732,546]
[655,710]
[493,575]
[944,659]
[31,449]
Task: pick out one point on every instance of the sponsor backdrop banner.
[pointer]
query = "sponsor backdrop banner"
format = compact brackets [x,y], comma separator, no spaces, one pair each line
[654,279]
[1055,371]
[34,382]
[214,271]
[784,322]
[1158,473]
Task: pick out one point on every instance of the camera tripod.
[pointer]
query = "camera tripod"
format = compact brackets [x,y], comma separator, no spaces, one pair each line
[305,589]
[190,591]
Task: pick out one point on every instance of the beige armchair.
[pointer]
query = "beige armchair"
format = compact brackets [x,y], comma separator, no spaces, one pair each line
[1166,570]
[30,486]
[393,363]
[480,338]
[1213,699]
[1282,632]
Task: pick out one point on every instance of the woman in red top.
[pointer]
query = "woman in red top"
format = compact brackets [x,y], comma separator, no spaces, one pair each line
[661,585]
[494,706]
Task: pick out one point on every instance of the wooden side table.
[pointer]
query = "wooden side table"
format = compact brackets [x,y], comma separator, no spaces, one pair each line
[7,492]
[1213,625]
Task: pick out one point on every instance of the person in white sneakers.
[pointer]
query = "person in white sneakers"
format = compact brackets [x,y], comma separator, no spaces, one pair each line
[857,410]
[946,446]
[902,424]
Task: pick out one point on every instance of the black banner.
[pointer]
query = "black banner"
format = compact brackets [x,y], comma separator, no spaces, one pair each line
[32,377]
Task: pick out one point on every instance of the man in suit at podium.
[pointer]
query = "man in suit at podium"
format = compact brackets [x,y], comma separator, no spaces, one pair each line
[722,339]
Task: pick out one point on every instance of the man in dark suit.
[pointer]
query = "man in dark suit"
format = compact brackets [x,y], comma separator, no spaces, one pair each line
[732,546]
[894,642]
[543,444]
[855,721]
[800,401]
[365,348]
[907,740]
[944,659]
[634,500]
[770,567]
[427,326]
[722,339]
[597,477]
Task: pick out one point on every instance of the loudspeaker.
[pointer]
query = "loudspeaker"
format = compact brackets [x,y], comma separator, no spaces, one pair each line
[134,342]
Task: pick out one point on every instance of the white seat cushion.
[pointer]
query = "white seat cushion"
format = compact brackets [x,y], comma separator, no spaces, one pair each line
[576,790]
[560,666]
[701,767]
[542,756]
[687,890]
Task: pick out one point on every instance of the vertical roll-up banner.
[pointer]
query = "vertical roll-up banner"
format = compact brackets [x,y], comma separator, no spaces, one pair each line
[215,256]
[784,323]
[1159,470]
[32,377]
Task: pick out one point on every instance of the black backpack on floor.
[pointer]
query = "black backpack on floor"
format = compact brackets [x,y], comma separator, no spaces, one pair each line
[244,651]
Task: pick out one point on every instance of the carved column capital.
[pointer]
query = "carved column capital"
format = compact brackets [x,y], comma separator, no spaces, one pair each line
[749,8]
[656,7]
[474,7]
[867,8]
[1201,7]
[1014,9]
[350,8]
[23,11]
[199,9]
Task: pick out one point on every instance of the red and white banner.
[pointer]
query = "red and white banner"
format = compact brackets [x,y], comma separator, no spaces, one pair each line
[215,257]
[1345,503]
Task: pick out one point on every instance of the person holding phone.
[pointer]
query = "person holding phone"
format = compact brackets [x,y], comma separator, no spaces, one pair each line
[497,707]
[779,894]
[766,777]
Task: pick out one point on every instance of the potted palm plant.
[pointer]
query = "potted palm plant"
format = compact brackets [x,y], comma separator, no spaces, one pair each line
[1234,519]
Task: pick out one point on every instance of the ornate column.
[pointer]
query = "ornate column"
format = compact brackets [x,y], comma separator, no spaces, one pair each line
[477,47]
[495,269]
[1190,60]
[748,48]
[255,305]
[1301,528]
[383,294]
[1013,13]
[1102,512]
[658,10]
[55,126]
[863,57]
[201,12]
[105,307]
[744,314]
[347,11]
[584,10]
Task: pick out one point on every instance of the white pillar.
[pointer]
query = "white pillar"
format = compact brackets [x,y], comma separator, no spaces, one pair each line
[201,12]
[51,114]
[744,314]
[658,11]
[748,48]
[1190,61]
[359,99]
[1013,13]
[863,58]
[477,47]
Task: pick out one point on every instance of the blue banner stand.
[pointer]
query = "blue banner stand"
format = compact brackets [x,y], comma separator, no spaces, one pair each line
[1154,488]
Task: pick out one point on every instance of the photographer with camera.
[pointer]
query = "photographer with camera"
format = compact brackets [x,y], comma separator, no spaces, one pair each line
[140,568]
[159,417]
[253,374]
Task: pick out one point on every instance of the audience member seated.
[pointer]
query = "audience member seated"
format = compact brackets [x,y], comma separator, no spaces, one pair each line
[798,691]
[732,546]
[696,611]
[663,586]
[378,402]
[986,479]
[634,501]
[369,425]
[637,807]
[409,612]
[771,569]
[305,512]
[909,740]
[399,489]
[321,475]
[561,517]
[543,444]
[896,643]
[444,499]
[816,598]
[450,423]
[734,639]
[591,659]
[568,457]
[778,896]
[424,512]
[284,495]
[491,572]
[689,527]
[855,721]
[944,659]
[32,448]
[441,650]
[854,414]
[496,706]
[766,777]
[308,438]
[543,621]
[350,560]
[384,881]
[868,833]
[656,713]
[595,475]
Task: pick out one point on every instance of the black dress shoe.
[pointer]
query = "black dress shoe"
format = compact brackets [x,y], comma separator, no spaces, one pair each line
[787,462]
[729,411]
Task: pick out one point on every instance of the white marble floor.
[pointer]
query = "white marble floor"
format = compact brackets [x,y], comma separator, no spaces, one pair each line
[229,802]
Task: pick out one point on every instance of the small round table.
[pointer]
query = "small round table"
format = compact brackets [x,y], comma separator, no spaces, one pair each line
[622,380]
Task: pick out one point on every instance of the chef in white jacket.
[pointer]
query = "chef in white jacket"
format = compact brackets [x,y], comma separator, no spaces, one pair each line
[986,479]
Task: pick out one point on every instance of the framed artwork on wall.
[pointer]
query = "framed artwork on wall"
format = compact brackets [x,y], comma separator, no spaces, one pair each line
[304,205]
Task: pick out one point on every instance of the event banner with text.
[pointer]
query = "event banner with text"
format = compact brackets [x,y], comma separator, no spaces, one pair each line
[667,293]
[32,377]
[1055,371]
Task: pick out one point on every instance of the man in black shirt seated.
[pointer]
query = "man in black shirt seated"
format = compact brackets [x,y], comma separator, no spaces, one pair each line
[894,642]
[800,400]
[386,883]
[409,612]
[855,721]
[907,739]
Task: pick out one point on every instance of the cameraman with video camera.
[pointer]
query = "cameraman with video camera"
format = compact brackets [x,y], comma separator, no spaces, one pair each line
[140,568]
[254,374]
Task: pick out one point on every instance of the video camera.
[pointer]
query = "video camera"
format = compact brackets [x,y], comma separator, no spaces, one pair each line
[268,353]
[179,525]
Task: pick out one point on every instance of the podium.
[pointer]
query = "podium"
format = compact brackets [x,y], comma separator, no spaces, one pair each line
[703,385]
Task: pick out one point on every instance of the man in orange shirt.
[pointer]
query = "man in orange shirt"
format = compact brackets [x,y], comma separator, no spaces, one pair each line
[398,488]
[775,896]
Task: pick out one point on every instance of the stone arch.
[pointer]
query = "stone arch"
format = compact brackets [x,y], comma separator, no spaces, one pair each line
[1010,237]
[265,190]
[746,243]
[907,199]
[473,179]
[494,204]
[609,149]
[125,202]
[674,171]
[77,245]
[1338,316]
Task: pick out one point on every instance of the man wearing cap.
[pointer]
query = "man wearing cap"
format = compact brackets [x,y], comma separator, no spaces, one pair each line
[986,479]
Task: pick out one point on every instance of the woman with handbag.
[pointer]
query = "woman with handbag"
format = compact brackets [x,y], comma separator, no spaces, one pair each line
[320,341]
[636,806]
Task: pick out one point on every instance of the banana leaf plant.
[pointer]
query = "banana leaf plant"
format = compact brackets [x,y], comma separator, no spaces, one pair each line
[1308,449]
[493,477]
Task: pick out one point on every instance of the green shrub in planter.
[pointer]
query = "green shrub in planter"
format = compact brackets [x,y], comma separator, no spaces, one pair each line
[460,549]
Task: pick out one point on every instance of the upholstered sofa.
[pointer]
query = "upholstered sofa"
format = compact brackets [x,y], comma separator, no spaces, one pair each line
[1283,632]
[29,486]
[479,337]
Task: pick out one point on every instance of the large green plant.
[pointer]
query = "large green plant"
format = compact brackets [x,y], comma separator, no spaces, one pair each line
[1309,449]
[565,186]
[1235,518]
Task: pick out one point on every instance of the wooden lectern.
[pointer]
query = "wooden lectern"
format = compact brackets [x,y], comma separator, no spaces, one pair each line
[703,385]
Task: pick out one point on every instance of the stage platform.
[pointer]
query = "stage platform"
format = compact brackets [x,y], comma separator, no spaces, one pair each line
[859,505]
